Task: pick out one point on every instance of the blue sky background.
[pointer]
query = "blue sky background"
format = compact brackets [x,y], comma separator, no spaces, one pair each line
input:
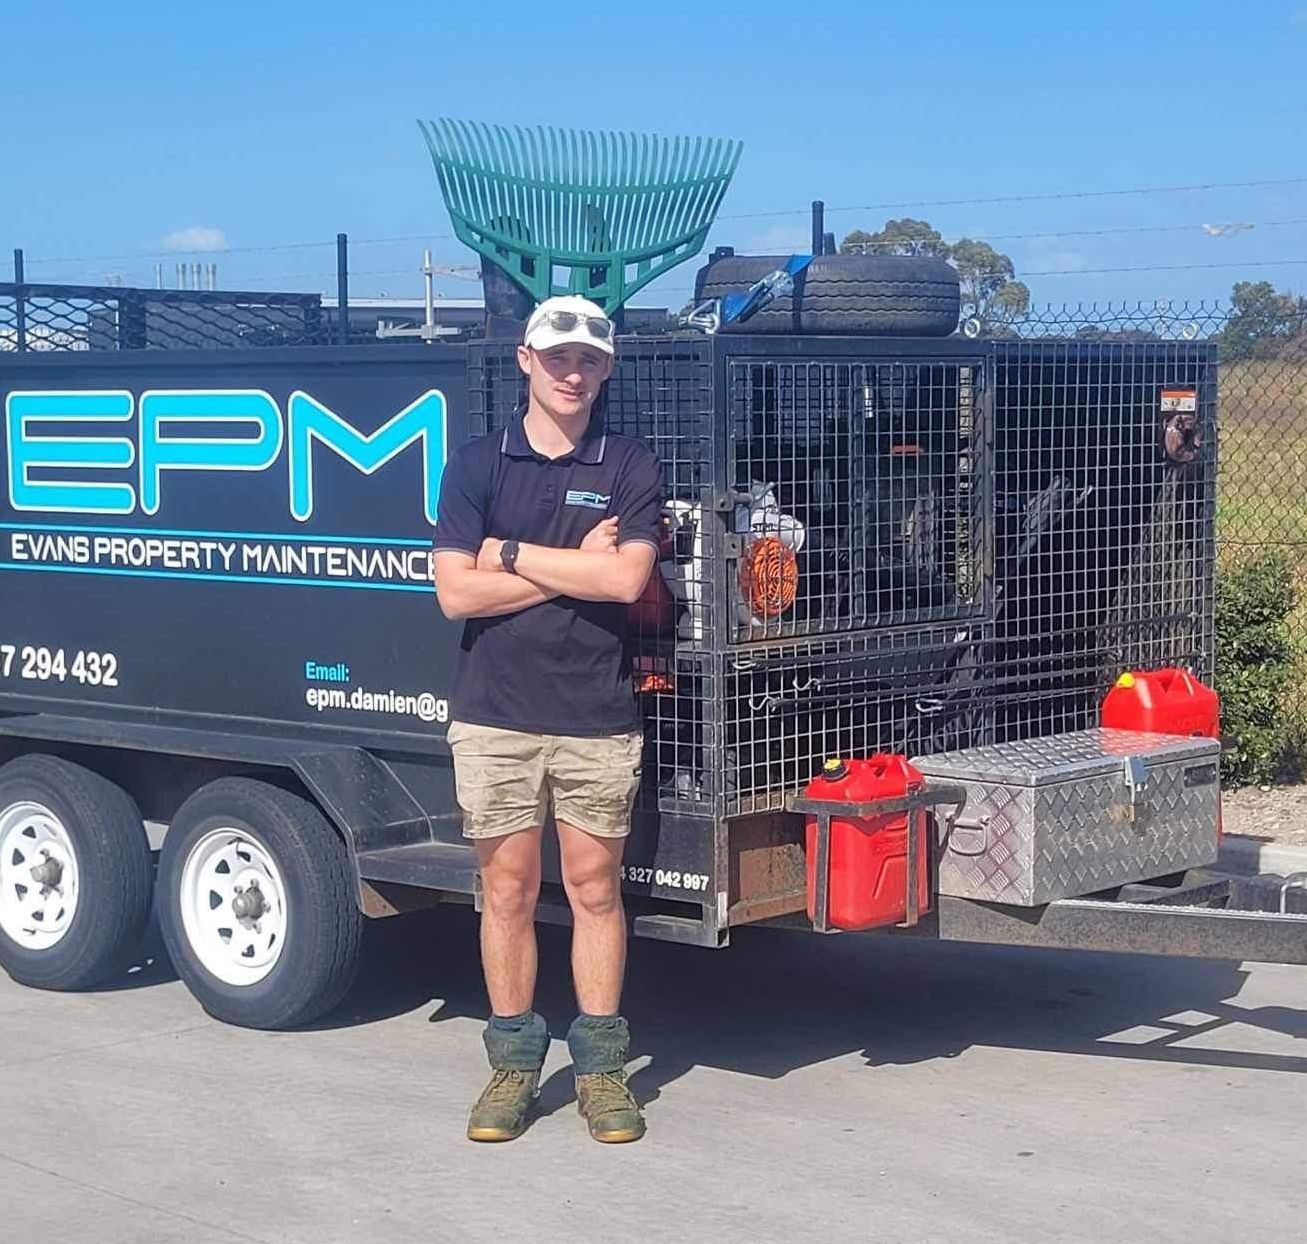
[284,122]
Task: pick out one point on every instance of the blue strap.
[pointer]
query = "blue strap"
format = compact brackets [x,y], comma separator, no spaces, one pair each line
[739,307]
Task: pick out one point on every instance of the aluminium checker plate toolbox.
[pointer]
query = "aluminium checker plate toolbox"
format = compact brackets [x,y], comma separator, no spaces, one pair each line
[1071,814]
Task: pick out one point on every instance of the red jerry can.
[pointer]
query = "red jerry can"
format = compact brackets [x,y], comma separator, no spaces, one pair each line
[1170,701]
[868,883]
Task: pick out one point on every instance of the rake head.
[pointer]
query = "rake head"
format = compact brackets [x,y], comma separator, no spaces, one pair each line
[579,212]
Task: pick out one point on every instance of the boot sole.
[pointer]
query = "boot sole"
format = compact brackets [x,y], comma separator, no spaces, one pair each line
[492,1135]
[623,1137]
[618,1138]
[498,1135]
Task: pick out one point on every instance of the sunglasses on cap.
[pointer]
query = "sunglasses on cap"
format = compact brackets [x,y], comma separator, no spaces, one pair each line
[597,326]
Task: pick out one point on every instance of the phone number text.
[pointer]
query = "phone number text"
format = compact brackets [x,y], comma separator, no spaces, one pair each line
[673,880]
[91,669]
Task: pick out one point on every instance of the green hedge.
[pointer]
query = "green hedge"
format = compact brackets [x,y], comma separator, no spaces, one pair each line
[1255,666]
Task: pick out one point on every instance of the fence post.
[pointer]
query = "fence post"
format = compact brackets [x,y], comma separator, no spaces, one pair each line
[132,320]
[20,303]
[342,289]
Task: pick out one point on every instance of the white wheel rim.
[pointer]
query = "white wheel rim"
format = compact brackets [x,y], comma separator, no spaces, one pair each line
[218,877]
[39,876]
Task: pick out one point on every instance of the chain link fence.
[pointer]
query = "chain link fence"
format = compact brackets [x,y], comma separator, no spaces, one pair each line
[1261,516]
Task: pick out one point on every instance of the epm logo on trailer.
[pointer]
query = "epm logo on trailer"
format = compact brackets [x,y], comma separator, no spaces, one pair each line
[47,467]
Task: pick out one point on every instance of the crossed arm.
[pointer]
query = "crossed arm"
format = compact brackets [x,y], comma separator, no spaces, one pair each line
[479,587]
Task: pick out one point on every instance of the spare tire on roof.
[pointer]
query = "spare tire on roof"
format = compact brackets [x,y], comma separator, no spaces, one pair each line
[854,295]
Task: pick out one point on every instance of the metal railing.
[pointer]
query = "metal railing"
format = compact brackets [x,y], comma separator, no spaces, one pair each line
[40,318]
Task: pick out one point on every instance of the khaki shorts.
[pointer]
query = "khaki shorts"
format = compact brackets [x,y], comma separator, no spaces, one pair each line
[506,779]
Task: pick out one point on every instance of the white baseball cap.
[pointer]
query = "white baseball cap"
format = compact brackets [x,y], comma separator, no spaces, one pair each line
[569,318]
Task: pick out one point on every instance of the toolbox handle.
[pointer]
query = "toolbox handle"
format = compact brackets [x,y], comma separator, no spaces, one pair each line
[968,837]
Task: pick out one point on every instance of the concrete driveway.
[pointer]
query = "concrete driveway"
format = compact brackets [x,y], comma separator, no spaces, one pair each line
[798,1089]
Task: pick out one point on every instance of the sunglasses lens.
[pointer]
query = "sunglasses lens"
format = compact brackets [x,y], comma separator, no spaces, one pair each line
[566,321]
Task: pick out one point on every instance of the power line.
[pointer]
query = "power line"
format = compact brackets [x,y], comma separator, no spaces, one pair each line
[1056,196]
[1167,267]
[246,250]
[1173,267]
[462,273]
[1094,233]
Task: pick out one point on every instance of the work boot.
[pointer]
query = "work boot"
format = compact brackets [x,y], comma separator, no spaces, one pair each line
[505,1107]
[516,1046]
[608,1108]
[599,1046]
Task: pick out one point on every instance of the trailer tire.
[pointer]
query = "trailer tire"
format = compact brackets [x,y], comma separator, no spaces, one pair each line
[278,960]
[854,295]
[80,929]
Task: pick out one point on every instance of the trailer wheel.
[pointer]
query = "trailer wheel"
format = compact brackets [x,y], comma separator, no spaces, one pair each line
[75,874]
[256,905]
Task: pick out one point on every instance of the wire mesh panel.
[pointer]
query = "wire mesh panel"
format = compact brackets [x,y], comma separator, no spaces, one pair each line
[1104,476]
[958,550]
[863,507]
[62,318]
[1043,535]
[787,707]
[679,700]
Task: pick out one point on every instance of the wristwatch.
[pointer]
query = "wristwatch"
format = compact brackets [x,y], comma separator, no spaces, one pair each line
[508,556]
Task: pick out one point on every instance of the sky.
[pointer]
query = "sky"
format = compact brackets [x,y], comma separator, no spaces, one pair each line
[250,134]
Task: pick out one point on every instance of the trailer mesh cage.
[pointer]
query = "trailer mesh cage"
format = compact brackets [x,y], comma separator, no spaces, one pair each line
[885,545]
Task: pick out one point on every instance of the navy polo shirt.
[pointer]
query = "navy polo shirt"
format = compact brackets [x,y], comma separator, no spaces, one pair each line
[562,666]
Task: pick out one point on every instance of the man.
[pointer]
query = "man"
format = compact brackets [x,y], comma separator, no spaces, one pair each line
[547,531]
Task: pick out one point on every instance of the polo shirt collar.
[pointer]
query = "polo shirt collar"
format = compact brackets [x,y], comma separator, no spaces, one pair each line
[590,450]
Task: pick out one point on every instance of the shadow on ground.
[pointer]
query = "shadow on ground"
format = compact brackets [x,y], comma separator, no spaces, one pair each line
[777,1001]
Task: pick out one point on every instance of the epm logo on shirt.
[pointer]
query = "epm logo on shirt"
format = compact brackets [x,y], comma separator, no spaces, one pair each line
[591,500]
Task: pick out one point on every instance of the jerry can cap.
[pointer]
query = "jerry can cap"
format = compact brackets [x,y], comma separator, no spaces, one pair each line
[834,769]
[1126,681]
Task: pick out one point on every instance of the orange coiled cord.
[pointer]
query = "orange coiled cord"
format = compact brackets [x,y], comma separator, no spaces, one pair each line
[769,576]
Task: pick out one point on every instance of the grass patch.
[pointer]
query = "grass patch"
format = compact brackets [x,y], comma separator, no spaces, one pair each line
[1261,505]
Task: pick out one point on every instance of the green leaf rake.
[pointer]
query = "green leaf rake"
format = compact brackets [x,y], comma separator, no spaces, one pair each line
[595,213]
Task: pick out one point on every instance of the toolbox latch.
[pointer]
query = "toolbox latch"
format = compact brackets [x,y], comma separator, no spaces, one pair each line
[1136,781]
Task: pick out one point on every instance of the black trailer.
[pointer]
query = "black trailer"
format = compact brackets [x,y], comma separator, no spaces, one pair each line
[217,619]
